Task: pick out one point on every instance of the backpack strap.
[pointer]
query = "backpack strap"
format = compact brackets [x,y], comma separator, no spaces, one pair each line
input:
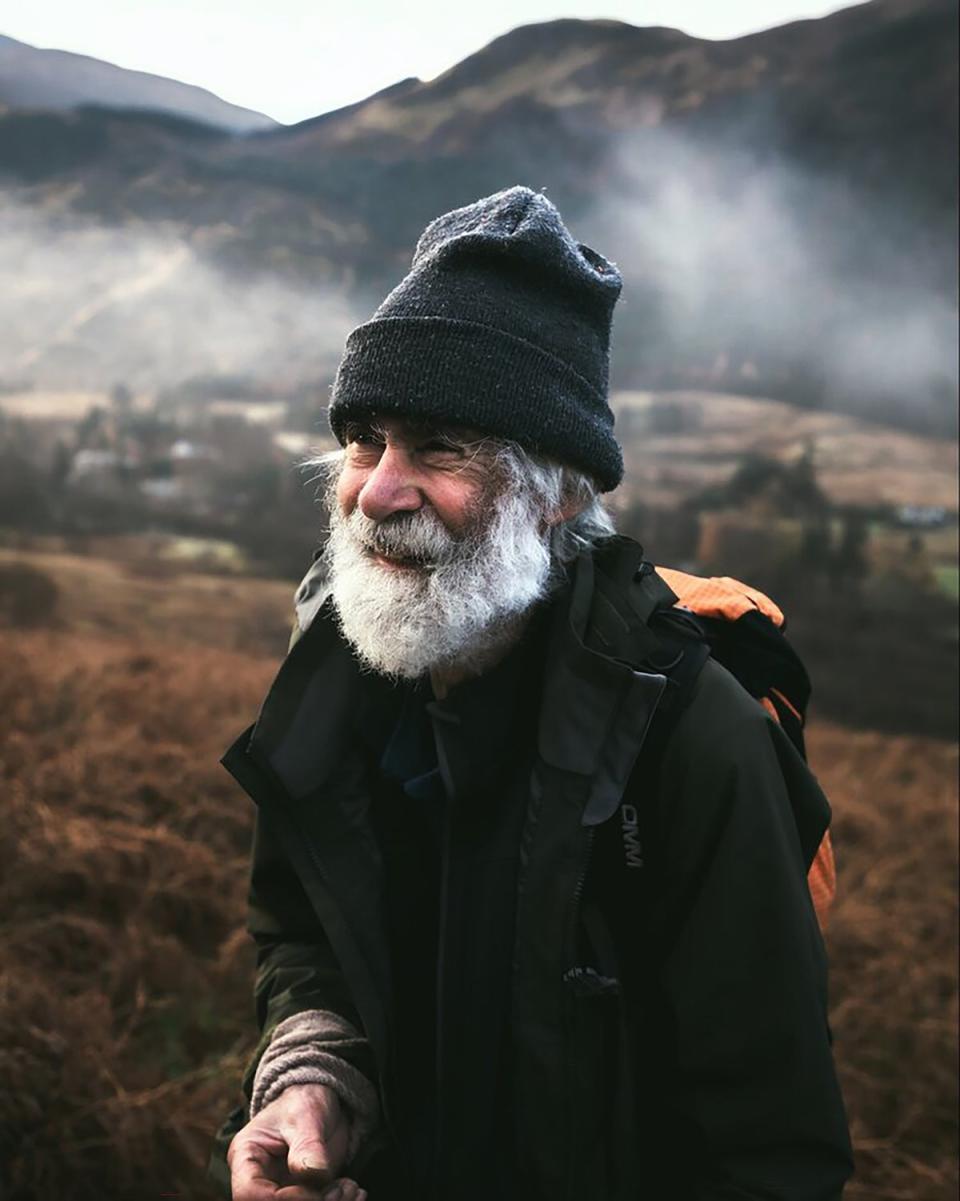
[743,630]
[634,618]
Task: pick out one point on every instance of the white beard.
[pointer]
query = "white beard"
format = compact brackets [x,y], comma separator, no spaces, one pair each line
[461,609]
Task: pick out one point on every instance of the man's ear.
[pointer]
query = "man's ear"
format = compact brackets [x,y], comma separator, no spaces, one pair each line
[570,508]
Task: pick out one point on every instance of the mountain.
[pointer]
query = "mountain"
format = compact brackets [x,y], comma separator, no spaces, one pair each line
[782,206]
[34,78]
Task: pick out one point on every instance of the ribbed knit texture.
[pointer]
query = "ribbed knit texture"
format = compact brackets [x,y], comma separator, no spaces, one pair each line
[502,325]
[303,1050]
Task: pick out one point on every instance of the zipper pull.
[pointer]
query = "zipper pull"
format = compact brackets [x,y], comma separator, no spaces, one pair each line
[587,982]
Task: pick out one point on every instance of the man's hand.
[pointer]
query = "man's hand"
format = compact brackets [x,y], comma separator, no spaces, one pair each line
[293,1150]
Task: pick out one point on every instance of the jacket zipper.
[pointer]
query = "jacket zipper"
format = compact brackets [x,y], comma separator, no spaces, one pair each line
[578,890]
[446,851]
[440,993]
[571,1024]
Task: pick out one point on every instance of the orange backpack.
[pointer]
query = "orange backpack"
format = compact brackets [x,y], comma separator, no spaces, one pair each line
[739,622]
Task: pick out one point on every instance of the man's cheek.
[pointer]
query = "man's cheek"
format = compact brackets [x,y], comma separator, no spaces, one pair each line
[348,489]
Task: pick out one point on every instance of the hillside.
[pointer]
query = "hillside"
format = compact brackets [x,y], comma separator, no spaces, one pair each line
[676,444]
[782,205]
[35,78]
[125,1015]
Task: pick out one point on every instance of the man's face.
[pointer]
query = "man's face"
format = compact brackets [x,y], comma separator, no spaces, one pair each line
[393,467]
[436,550]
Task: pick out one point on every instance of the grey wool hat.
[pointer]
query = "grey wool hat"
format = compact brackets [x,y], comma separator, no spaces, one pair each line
[502,325]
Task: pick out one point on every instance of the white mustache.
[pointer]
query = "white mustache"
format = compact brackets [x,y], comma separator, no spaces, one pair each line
[419,536]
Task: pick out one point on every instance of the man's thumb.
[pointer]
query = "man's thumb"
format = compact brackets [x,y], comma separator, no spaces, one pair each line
[308,1157]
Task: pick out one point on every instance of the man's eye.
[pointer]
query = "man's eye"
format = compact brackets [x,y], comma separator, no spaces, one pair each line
[364,438]
[437,446]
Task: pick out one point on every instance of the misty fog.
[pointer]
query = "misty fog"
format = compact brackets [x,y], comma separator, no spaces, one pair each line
[740,271]
[750,267]
[87,307]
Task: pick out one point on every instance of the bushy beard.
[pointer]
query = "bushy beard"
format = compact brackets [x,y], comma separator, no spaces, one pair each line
[464,601]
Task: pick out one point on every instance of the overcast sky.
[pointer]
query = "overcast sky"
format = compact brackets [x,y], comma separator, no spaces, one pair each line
[294,59]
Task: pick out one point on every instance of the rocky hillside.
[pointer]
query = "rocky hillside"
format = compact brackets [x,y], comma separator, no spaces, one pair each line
[782,205]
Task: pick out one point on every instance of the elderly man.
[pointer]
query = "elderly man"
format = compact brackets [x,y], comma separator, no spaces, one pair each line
[458,998]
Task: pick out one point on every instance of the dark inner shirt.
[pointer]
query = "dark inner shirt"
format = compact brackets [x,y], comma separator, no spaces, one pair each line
[450,789]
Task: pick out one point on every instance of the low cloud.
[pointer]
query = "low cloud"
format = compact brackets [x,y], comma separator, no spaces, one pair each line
[741,265]
[85,306]
[740,270]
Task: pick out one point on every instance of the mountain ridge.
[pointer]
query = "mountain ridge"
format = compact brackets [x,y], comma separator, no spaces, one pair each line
[48,78]
[782,205]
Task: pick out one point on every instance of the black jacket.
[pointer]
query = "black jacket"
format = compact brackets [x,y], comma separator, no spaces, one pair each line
[670,1042]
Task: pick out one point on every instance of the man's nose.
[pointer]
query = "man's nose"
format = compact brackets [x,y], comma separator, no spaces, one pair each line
[390,487]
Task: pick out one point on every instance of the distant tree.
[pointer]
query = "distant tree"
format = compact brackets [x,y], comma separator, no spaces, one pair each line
[815,553]
[786,489]
[92,429]
[60,465]
[121,398]
[849,558]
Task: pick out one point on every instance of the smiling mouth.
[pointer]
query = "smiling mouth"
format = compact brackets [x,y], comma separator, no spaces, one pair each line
[398,563]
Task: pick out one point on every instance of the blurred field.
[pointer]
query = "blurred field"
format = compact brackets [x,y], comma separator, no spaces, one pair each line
[45,405]
[139,593]
[680,442]
[125,1006]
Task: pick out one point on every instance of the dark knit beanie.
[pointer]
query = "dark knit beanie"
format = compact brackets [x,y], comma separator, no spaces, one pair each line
[503,325]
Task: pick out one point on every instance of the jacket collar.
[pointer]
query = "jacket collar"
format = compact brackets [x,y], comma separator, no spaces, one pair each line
[597,702]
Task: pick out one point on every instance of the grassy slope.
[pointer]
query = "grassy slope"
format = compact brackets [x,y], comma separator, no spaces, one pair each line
[859,462]
[124,1005]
